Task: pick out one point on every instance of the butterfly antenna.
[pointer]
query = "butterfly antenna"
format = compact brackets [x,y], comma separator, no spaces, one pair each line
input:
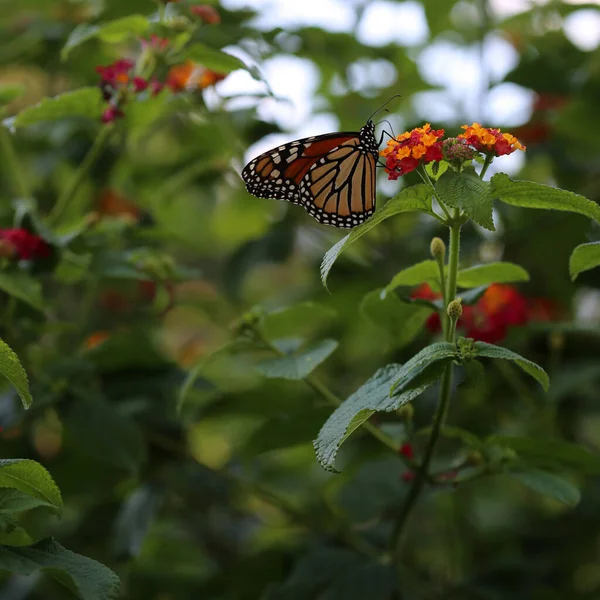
[384,105]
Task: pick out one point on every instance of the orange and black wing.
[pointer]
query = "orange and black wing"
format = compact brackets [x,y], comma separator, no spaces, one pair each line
[332,176]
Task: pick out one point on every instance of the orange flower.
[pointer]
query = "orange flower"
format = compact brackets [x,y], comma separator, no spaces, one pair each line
[491,141]
[95,339]
[206,13]
[189,76]
[114,204]
[412,148]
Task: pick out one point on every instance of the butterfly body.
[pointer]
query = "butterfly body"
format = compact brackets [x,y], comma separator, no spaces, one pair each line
[332,175]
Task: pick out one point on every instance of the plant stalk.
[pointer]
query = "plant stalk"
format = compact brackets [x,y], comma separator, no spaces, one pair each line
[12,167]
[422,473]
[69,192]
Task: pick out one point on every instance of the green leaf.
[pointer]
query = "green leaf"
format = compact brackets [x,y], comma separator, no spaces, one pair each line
[583,258]
[10,92]
[474,375]
[105,435]
[298,366]
[32,479]
[113,32]
[548,484]
[303,317]
[87,578]
[442,351]
[23,287]
[491,351]
[402,320]
[414,198]
[13,370]
[85,102]
[427,271]
[14,501]
[550,451]
[473,295]
[133,521]
[528,194]
[496,272]
[212,59]
[467,191]
[373,396]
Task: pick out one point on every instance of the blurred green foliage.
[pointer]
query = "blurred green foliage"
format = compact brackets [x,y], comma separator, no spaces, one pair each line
[182,465]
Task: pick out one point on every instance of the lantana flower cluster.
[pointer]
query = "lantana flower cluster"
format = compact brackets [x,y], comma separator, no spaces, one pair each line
[120,80]
[411,149]
[424,145]
[22,244]
[501,307]
[490,141]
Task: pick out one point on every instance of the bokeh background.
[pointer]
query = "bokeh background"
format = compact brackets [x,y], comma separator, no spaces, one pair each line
[182,468]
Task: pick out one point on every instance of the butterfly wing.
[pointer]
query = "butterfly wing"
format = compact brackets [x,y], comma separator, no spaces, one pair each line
[332,176]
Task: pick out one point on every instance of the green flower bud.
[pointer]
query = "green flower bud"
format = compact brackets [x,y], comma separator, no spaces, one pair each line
[437,248]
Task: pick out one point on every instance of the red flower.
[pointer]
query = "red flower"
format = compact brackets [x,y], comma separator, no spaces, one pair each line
[501,307]
[26,245]
[117,74]
[112,113]
[424,292]
[206,13]
[408,476]
[406,450]
[157,44]
[406,152]
[139,84]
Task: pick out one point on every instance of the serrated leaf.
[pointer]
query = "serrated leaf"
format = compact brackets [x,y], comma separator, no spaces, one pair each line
[85,102]
[528,194]
[402,320]
[133,521]
[491,351]
[87,578]
[373,396]
[583,258]
[467,191]
[550,451]
[426,271]
[31,478]
[112,32]
[414,198]
[300,365]
[496,272]
[105,435]
[23,287]
[11,368]
[15,501]
[548,484]
[212,59]
[434,353]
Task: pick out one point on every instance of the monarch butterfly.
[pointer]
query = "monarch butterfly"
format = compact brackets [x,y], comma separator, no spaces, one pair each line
[332,175]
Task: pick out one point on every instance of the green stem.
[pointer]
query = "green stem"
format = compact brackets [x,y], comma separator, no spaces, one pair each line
[332,399]
[12,167]
[488,161]
[422,474]
[426,179]
[69,192]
